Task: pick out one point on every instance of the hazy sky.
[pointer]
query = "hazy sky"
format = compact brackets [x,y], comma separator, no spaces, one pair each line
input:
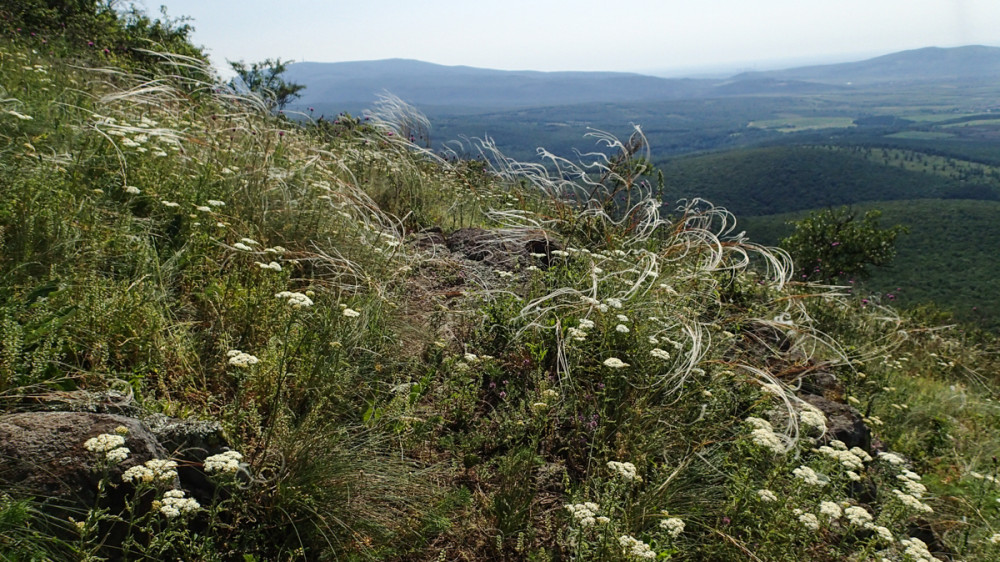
[625,35]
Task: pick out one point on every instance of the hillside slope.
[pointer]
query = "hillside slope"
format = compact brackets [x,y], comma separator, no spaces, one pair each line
[413,358]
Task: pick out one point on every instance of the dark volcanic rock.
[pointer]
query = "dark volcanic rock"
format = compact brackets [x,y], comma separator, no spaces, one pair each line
[501,248]
[43,453]
[842,422]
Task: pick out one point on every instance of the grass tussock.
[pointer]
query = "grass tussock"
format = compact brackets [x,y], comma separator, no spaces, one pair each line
[642,383]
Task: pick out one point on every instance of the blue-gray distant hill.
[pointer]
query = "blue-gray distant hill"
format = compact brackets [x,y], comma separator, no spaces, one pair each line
[426,84]
[974,63]
[351,86]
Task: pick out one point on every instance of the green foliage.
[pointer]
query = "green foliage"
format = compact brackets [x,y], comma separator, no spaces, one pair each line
[264,79]
[837,245]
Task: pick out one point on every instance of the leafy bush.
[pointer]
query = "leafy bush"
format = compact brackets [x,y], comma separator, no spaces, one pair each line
[834,245]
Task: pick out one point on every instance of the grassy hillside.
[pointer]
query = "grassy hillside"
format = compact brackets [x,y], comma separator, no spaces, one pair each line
[425,359]
[948,257]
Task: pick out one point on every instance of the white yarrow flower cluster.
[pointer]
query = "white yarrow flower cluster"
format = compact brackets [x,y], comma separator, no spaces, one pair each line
[858,515]
[273,266]
[586,324]
[174,503]
[853,459]
[615,363]
[295,300]
[916,549]
[810,521]
[111,445]
[763,434]
[635,547]
[576,334]
[659,354]
[350,313]
[154,470]
[239,359]
[673,525]
[103,443]
[812,418]
[227,462]
[622,329]
[585,513]
[809,476]
[891,458]
[767,496]
[830,509]
[626,470]
[912,502]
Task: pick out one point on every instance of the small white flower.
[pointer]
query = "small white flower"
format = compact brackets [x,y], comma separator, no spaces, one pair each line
[830,509]
[203,209]
[812,417]
[673,525]
[626,470]
[767,496]
[132,190]
[621,317]
[295,300]
[227,462]
[239,359]
[615,363]
[810,521]
[586,324]
[622,329]
[659,354]
[166,203]
[174,503]
[857,515]
[242,246]
[118,455]
[152,471]
[613,302]
[636,548]
[809,476]
[891,458]
[273,266]
[350,313]
[216,203]
[104,443]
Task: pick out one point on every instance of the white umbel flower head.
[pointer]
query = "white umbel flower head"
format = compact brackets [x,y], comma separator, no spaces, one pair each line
[104,443]
[626,470]
[766,496]
[295,300]
[615,363]
[636,548]
[174,503]
[242,360]
[226,463]
[673,525]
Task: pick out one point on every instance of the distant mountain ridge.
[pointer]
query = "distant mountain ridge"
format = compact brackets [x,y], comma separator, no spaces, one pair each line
[424,83]
[355,85]
[917,65]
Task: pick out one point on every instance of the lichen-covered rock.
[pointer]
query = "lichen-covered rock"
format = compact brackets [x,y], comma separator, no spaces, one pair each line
[44,455]
[189,442]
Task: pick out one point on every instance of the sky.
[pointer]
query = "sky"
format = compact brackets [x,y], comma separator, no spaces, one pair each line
[666,37]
